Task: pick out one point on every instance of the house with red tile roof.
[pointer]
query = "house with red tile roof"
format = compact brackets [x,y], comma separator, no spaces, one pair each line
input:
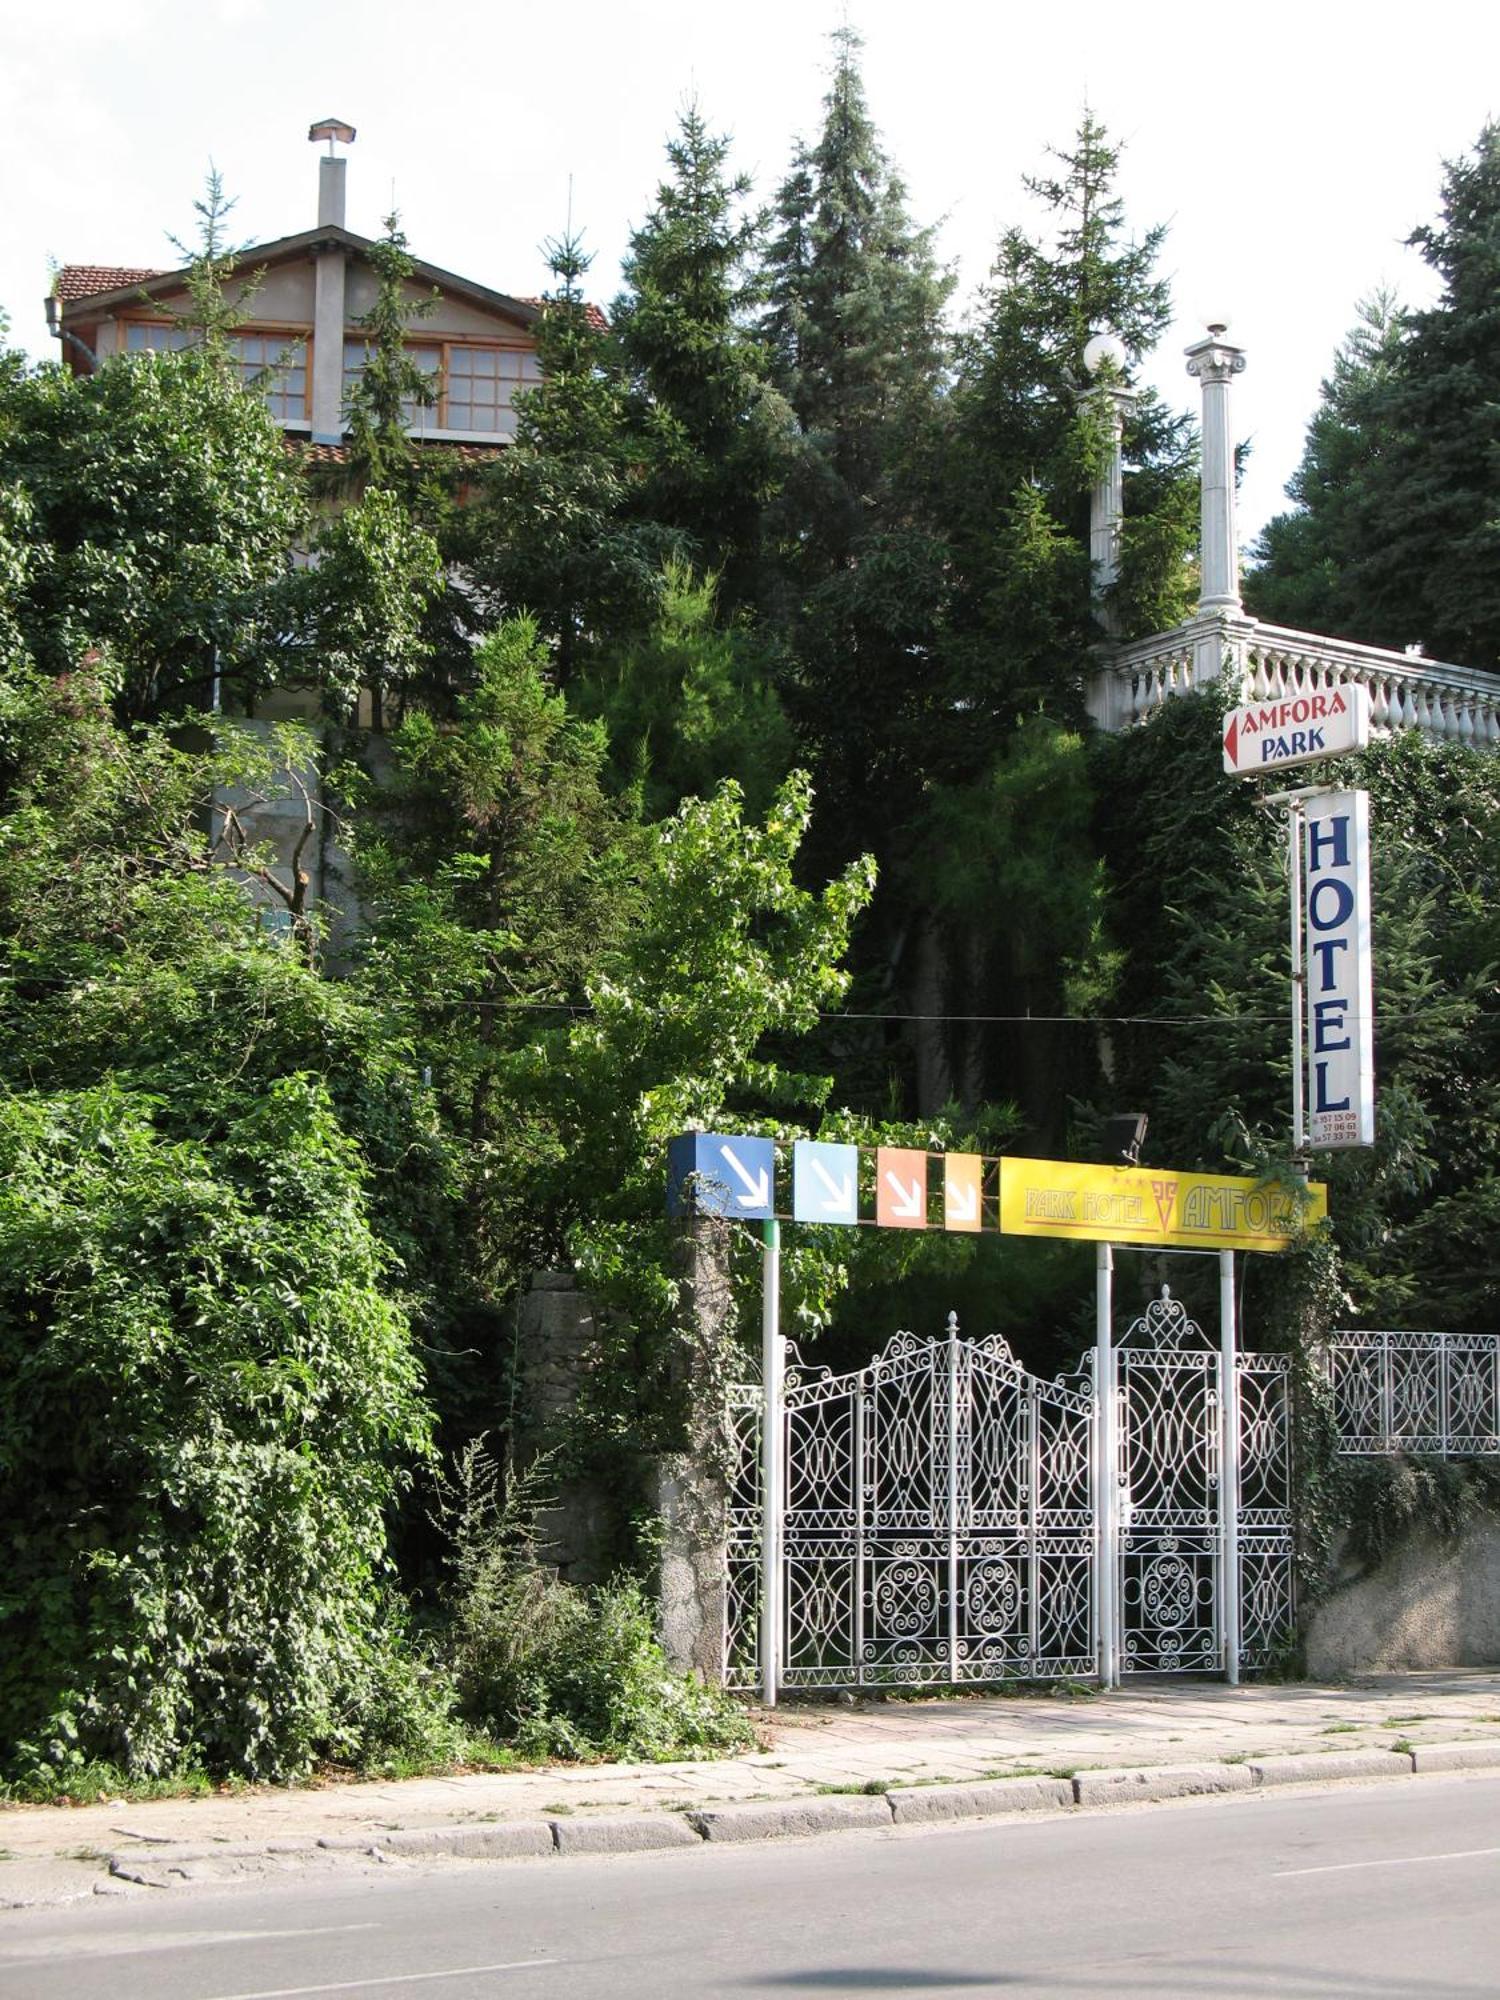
[300,340]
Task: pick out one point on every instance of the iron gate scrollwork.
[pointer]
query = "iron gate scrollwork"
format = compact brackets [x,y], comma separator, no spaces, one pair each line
[938,1524]
[941,1515]
[1168,1507]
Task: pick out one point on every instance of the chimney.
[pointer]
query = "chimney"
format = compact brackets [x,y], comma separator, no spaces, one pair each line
[331,171]
[331,192]
[328,295]
[1214,362]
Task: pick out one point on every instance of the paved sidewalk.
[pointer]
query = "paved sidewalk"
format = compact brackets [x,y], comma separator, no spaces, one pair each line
[50,1853]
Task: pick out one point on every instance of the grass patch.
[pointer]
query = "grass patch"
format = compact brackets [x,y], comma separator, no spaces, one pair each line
[872,1788]
[92,1784]
[1340,1729]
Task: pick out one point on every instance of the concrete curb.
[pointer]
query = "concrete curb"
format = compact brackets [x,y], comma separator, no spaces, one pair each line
[914,1805]
[1317,1767]
[1162,1781]
[792,1817]
[624,1833]
[924,1805]
[1456,1757]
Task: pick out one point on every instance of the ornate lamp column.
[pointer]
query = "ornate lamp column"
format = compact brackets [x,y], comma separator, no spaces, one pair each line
[1214,362]
[1104,357]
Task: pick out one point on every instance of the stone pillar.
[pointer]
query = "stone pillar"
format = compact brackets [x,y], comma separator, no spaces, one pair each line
[556,1346]
[1214,362]
[693,1484]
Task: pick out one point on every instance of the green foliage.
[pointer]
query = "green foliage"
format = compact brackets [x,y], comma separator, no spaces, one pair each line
[1028,443]
[1204,982]
[391,390]
[207,1395]
[1303,567]
[157,526]
[556,1671]
[211,268]
[364,605]
[689,702]
[1387,1502]
[716,434]
[1397,529]
[854,318]
[555,530]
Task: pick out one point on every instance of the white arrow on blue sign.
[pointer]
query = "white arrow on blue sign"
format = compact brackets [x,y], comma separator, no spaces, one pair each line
[730,1175]
[825,1182]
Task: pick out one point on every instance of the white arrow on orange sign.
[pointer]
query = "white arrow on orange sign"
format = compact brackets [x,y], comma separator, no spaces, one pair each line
[962,1181]
[900,1187]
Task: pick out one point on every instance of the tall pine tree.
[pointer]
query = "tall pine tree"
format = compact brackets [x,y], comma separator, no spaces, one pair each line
[1028,444]
[854,330]
[717,435]
[558,531]
[1412,525]
[1301,573]
[855,304]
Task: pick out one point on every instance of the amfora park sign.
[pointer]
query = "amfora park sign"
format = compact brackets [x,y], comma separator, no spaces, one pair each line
[1328,862]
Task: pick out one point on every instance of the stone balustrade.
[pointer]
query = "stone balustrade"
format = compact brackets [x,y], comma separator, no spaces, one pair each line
[1268,662]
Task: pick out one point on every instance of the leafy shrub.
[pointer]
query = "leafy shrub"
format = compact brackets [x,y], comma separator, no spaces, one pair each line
[556,1670]
[206,1397]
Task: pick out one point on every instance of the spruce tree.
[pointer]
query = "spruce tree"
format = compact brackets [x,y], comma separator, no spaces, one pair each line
[855,298]
[716,433]
[1028,444]
[392,389]
[1004,776]
[1301,572]
[854,332]
[1411,522]
[558,529]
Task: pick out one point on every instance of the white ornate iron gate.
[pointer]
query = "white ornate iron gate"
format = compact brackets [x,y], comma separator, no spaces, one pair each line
[943,1510]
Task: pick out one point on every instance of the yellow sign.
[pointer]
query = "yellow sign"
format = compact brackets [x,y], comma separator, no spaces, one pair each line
[1151,1205]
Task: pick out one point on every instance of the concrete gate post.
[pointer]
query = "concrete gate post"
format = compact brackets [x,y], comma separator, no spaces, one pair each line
[692,1485]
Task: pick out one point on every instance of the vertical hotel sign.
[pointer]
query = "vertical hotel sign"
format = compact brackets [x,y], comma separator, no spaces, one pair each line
[1340,985]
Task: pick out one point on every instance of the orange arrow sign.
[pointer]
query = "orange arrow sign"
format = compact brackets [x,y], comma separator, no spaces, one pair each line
[900,1188]
[962,1182]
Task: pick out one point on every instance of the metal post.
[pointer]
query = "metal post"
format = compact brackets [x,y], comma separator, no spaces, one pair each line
[1294,822]
[953,1498]
[1229,1468]
[773,1369]
[1106,1471]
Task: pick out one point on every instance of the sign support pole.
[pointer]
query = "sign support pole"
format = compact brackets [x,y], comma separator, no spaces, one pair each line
[1229,1468]
[773,1376]
[1106,1474]
[1294,824]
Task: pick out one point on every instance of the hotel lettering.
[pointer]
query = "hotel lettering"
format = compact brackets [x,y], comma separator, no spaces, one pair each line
[1340,985]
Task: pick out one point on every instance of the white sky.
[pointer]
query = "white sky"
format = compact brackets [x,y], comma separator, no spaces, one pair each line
[1289,147]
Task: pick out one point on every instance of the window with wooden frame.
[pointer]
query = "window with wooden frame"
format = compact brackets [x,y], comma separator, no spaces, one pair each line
[273,362]
[476,384]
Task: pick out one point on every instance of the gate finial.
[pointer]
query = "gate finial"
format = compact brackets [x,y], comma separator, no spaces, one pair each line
[953,1326]
[1166,1292]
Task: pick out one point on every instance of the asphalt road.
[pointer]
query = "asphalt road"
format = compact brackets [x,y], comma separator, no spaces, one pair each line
[1387,1892]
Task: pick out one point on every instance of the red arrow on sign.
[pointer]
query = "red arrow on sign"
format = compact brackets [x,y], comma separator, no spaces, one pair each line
[1231,738]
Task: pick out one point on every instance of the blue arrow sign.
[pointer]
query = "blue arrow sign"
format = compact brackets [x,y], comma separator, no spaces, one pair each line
[825,1182]
[714,1173]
